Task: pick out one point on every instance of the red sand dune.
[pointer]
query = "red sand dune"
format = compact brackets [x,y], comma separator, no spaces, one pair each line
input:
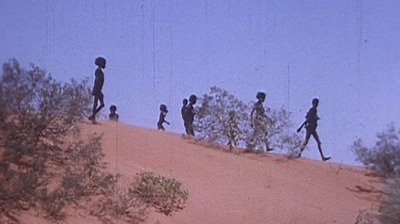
[236,187]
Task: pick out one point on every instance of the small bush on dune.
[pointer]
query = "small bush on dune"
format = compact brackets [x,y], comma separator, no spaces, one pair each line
[164,194]
[211,121]
[384,157]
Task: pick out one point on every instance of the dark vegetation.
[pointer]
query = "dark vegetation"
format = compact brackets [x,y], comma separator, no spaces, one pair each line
[384,159]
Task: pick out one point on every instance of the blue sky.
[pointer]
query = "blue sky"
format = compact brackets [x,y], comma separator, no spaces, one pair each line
[345,53]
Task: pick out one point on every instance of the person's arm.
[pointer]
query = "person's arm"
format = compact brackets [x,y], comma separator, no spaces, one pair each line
[309,115]
[164,115]
[268,118]
[301,126]
[251,116]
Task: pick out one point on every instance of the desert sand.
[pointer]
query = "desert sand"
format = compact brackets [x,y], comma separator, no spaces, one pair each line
[228,188]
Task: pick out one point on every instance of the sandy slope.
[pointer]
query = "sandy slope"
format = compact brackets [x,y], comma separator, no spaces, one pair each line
[230,188]
[239,188]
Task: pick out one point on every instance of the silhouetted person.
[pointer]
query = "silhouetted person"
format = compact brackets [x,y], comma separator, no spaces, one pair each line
[161,120]
[259,122]
[113,116]
[183,113]
[233,131]
[311,125]
[98,86]
[189,114]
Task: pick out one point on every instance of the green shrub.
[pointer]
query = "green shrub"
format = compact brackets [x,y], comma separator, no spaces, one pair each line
[384,157]
[164,194]
[390,207]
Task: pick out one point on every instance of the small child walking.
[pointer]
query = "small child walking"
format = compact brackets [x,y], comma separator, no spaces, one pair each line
[161,119]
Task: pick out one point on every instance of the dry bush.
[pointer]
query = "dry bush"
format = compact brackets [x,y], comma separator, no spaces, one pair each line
[164,194]
[368,217]
[120,207]
[384,157]
[390,207]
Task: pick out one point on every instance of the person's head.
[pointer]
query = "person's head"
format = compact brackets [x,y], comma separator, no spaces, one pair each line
[163,108]
[193,99]
[315,102]
[184,102]
[113,109]
[260,96]
[101,62]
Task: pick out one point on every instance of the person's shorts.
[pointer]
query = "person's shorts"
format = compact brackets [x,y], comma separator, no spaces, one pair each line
[99,95]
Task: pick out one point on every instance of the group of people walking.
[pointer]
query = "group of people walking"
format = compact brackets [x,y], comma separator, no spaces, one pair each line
[258,117]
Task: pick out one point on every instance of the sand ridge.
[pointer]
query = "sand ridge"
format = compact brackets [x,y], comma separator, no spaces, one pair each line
[228,188]
[236,187]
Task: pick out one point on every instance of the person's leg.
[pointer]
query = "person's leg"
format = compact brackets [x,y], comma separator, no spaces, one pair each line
[185,124]
[101,99]
[235,138]
[308,135]
[265,139]
[232,139]
[251,142]
[316,137]
[92,117]
[190,129]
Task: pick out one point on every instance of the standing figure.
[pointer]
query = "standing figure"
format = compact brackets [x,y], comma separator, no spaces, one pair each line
[233,131]
[189,114]
[259,122]
[161,120]
[311,125]
[113,116]
[98,86]
[183,113]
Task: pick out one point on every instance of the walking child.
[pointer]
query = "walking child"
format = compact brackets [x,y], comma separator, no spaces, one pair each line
[113,116]
[259,122]
[183,113]
[97,87]
[189,114]
[161,120]
[311,125]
